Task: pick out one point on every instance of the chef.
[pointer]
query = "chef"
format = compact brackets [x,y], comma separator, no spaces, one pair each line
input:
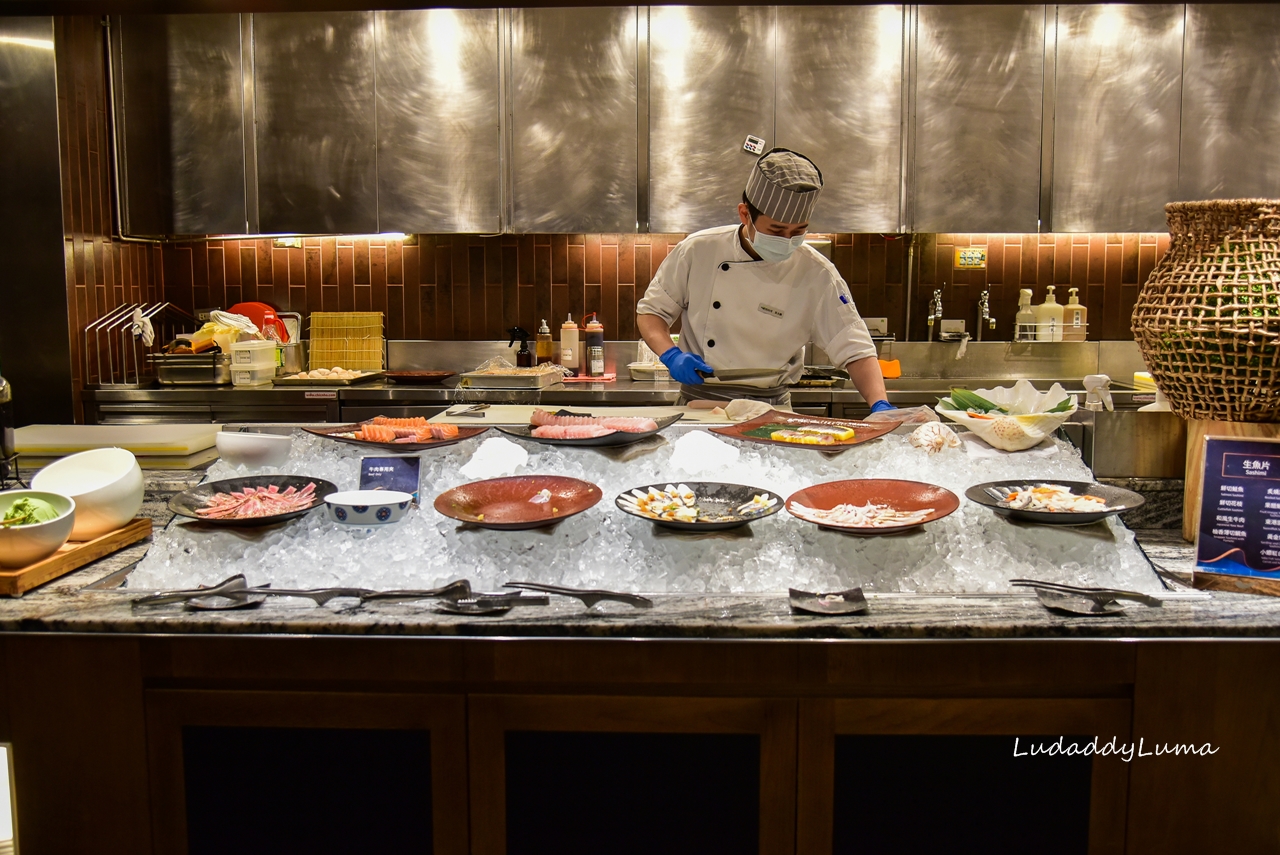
[750,296]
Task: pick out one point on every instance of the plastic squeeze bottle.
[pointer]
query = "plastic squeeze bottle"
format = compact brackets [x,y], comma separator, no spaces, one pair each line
[1074,325]
[595,347]
[569,353]
[1049,319]
[1026,318]
[542,347]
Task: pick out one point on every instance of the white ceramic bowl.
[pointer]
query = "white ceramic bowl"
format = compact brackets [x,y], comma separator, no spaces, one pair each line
[367,507]
[24,545]
[253,449]
[106,484]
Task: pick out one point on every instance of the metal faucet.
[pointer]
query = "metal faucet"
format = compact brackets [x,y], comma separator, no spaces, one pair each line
[935,310]
[984,312]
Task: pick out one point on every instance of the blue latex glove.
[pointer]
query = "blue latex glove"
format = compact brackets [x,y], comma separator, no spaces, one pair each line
[880,406]
[684,367]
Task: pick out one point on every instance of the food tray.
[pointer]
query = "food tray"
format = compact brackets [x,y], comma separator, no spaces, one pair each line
[1118,500]
[294,381]
[723,499]
[419,378]
[864,431]
[201,369]
[619,437]
[532,380]
[336,433]
[504,503]
[72,556]
[898,495]
[187,502]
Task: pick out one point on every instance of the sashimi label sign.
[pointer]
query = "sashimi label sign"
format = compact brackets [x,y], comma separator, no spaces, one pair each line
[1240,508]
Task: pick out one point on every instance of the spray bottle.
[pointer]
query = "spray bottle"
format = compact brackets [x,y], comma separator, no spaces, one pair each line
[524,356]
[1025,323]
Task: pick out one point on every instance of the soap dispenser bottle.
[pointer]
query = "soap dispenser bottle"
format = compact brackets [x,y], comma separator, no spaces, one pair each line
[1025,322]
[1074,325]
[1049,319]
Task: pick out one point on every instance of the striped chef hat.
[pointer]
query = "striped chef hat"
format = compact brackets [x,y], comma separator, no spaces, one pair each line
[784,185]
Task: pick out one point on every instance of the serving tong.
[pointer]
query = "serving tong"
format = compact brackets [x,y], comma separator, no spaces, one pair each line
[1083,600]
[234,592]
[589,596]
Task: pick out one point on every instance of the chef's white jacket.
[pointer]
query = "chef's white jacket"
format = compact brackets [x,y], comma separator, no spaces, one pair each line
[741,313]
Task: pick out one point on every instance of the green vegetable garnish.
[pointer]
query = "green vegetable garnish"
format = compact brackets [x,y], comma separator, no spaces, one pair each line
[963,399]
[27,511]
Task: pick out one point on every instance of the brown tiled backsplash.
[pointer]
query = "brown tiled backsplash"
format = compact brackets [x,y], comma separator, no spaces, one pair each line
[467,287]
[470,287]
[1107,269]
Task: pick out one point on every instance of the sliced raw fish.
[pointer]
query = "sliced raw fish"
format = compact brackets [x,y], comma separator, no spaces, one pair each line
[571,431]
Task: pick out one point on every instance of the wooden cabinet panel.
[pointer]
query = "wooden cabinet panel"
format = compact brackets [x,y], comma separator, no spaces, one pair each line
[168,712]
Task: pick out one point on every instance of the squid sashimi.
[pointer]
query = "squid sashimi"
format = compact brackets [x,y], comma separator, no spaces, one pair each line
[571,431]
[542,418]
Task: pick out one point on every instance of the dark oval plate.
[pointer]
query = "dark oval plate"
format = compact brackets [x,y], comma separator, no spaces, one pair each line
[899,495]
[618,437]
[1118,500]
[338,431]
[504,503]
[419,378]
[186,504]
[712,496]
[863,431]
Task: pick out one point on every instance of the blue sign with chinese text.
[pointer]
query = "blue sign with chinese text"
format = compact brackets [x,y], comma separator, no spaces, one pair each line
[1240,508]
[390,473]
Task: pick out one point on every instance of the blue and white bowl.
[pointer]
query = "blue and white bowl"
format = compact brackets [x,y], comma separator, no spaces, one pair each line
[367,507]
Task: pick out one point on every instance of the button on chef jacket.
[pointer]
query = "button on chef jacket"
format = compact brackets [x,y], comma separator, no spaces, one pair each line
[743,313]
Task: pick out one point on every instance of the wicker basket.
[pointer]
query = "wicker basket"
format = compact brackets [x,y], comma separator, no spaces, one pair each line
[1208,317]
[351,340]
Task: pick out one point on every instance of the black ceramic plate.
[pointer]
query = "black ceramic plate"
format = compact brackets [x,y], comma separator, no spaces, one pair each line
[187,503]
[618,437]
[1118,500]
[723,500]
[342,433]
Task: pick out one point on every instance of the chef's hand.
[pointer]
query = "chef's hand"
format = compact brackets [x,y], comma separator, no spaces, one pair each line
[684,366]
[883,406]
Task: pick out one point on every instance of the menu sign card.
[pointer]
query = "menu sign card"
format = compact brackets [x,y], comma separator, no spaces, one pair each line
[390,473]
[1240,508]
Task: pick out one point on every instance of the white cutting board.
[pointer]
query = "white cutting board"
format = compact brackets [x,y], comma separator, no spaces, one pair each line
[142,440]
[512,414]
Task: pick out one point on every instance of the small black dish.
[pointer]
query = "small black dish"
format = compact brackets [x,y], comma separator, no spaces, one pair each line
[1118,501]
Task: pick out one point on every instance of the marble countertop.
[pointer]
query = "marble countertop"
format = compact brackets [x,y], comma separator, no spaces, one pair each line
[84,602]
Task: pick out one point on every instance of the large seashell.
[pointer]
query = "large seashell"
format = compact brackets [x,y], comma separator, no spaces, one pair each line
[934,437]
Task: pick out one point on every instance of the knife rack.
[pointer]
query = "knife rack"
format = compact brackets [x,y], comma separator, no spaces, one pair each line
[113,352]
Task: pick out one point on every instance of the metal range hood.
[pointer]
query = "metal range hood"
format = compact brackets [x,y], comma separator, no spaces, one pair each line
[1012,118]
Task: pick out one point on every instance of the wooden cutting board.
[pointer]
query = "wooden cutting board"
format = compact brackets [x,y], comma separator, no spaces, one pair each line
[142,440]
[72,556]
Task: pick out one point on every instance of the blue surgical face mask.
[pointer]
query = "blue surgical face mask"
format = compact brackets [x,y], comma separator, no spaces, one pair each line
[774,248]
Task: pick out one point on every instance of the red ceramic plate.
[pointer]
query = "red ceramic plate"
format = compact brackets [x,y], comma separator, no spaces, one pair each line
[898,495]
[508,503]
[419,378]
[343,433]
[757,429]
